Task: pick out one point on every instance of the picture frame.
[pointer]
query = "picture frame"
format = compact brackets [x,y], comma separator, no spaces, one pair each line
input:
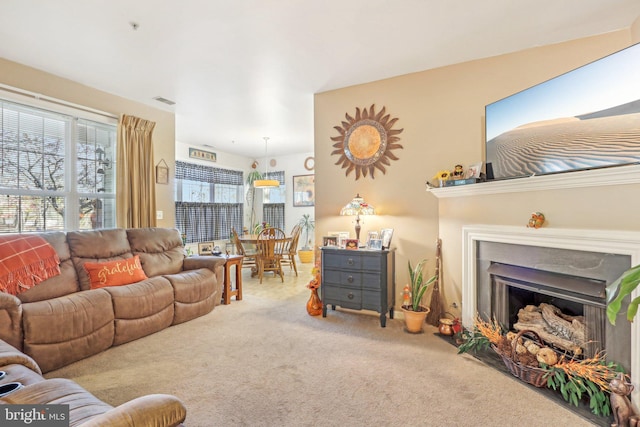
[351,244]
[205,248]
[303,190]
[162,172]
[385,235]
[473,171]
[341,235]
[195,153]
[330,241]
[375,244]
[372,235]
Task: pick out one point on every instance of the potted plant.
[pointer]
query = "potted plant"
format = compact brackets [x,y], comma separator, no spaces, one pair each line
[254,175]
[414,313]
[618,290]
[307,225]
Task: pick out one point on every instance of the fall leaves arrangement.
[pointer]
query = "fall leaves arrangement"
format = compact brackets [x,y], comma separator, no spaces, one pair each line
[585,379]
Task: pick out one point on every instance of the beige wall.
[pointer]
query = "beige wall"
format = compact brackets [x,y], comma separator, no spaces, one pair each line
[32,80]
[442,113]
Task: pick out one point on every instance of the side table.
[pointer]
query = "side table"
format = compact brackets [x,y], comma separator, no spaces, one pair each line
[232,260]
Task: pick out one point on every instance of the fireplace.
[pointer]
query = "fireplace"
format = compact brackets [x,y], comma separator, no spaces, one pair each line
[506,268]
[567,311]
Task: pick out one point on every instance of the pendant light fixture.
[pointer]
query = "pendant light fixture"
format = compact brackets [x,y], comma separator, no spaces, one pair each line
[266,183]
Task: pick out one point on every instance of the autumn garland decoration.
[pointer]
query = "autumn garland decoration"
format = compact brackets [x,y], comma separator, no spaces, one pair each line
[587,378]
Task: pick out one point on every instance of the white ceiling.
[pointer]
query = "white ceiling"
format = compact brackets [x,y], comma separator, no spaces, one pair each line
[240,70]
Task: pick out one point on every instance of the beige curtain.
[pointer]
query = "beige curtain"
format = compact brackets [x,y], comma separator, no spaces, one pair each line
[135,180]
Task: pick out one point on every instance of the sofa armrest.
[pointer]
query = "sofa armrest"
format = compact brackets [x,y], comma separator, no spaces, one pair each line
[10,355]
[11,320]
[213,263]
[157,410]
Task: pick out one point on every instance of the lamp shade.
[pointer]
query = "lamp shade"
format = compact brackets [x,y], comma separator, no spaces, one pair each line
[266,183]
[358,206]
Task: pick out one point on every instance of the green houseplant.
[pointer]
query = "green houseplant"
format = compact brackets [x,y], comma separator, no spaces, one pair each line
[307,225]
[254,175]
[414,312]
[617,292]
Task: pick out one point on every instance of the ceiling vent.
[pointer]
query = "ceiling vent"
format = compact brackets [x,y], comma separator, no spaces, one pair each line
[164,100]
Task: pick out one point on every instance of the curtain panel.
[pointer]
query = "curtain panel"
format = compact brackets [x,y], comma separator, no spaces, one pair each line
[135,178]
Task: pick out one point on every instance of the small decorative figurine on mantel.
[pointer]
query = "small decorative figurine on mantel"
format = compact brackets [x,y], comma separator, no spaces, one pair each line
[458,172]
[536,220]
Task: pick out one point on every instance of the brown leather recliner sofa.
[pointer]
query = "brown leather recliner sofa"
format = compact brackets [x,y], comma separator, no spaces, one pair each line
[62,319]
[86,410]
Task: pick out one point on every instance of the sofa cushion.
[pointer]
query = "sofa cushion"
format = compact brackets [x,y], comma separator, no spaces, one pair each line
[63,330]
[160,249]
[96,246]
[115,273]
[195,293]
[82,405]
[141,308]
[63,284]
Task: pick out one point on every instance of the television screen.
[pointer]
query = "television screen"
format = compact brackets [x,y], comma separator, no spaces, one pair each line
[584,119]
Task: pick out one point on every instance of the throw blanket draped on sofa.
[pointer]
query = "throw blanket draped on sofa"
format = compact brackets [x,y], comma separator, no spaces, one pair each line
[25,261]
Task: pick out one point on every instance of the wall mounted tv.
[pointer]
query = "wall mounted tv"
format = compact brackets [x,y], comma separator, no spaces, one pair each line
[584,119]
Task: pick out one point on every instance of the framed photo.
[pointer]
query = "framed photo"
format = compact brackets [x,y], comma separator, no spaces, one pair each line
[330,241]
[304,190]
[205,248]
[371,236]
[195,153]
[385,236]
[351,244]
[162,172]
[375,244]
[473,171]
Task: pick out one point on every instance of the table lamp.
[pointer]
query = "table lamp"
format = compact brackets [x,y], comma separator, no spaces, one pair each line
[357,207]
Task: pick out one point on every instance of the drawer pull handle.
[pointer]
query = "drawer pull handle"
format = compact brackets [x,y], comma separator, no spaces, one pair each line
[350,261]
[350,296]
[350,279]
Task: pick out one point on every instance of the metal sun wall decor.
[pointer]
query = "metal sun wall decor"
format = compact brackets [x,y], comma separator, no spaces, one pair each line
[366,141]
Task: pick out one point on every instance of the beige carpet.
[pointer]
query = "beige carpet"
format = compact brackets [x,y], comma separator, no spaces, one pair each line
[264,361]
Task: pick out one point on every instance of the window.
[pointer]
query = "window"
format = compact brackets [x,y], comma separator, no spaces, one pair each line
[56,171]
[273,201]
[209,201]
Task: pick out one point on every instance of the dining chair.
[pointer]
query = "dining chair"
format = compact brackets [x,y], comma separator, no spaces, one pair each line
[271,245]
[249,260]
[291,249]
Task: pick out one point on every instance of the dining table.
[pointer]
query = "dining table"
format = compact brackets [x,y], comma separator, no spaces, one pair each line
[252,239]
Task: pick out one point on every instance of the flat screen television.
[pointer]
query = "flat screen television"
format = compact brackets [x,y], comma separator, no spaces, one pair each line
[584,119]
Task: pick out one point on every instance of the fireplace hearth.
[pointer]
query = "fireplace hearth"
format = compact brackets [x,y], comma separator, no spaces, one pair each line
[507,268]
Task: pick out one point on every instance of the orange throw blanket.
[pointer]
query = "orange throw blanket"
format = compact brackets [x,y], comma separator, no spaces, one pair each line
[26,261]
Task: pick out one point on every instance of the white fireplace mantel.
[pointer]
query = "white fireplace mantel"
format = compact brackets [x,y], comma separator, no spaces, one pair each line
[602,241]
[619,175]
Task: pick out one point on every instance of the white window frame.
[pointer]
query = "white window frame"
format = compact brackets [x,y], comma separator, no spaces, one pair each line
[55,106]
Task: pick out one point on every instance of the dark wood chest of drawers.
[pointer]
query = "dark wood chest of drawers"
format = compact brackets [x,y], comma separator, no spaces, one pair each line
[359,280]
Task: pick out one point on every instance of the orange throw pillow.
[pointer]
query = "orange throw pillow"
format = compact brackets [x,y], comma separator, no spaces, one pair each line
[115,273]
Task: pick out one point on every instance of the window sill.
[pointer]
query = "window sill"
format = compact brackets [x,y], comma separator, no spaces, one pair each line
[619,175]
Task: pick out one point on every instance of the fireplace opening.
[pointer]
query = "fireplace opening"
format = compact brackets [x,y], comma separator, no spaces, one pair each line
[567,312]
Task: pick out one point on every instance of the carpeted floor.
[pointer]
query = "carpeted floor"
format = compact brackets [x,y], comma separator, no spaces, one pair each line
[264,361]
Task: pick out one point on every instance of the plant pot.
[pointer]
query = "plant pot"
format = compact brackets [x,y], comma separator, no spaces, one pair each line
[305,256]
[414,320]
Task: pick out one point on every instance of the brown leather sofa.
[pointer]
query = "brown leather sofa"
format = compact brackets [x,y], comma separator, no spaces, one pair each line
[84,408]
[62,319]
